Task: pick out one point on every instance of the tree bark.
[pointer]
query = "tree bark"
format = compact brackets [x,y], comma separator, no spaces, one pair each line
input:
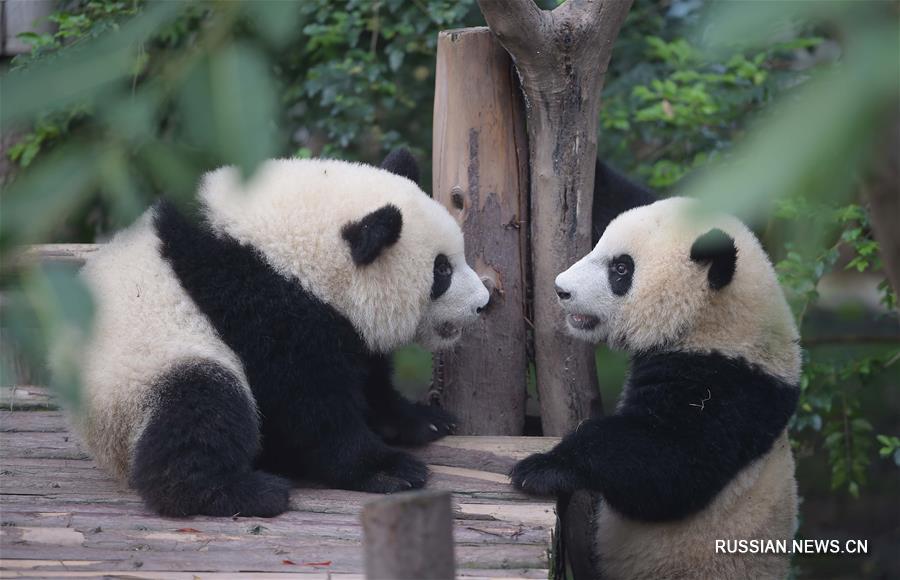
[561,57]
[480,175]
[883,193]
[409,536]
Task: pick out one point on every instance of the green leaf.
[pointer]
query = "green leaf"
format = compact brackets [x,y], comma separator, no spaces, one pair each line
[171,167]
[83,73]
[40,198]
[276,20]
[757,172]
[49,317]
[243,106]
[744,24]
[118,185]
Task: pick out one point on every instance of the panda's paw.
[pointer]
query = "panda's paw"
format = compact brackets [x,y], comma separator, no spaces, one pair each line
[544,474]
[397,472]
[254,494]
[271,496]
[423,424]
[434,422]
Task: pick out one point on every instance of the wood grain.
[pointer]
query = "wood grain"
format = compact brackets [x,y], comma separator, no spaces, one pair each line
[561,56]
[480,175]
[62,516]
[409,536]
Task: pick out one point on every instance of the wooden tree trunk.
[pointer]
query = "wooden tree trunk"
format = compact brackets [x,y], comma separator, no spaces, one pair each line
[409,536]
[883,193]
[480,175]
[561,57]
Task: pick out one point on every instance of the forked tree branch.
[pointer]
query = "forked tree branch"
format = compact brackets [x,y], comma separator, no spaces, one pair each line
[561,56]
[546,45]
[522,27]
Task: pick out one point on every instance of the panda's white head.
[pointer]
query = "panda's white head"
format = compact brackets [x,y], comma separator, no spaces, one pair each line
[365,240]
[668,276]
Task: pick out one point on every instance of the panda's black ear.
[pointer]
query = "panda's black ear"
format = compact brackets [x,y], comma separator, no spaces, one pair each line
[401,162]
[717,249]
[613,194]
[369,236]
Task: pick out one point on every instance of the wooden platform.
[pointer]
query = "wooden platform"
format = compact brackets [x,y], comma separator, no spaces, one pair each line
[63,517]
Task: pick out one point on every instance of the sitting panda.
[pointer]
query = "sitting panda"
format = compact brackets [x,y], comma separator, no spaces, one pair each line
[253,344]
[697,448]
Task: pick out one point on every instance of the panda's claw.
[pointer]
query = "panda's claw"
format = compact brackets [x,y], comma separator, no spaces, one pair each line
[419,424]
[395,472]
[543,474]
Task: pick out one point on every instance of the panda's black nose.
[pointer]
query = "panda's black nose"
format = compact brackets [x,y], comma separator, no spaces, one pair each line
[563,295]
[479,310]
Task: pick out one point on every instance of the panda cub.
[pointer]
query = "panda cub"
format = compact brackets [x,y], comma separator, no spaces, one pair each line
[253,345]
[697,449]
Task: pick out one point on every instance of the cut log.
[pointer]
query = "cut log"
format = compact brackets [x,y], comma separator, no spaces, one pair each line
[409,536]
[480,175]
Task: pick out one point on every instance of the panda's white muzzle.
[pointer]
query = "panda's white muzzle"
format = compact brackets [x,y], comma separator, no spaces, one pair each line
[457,308]
[584,295]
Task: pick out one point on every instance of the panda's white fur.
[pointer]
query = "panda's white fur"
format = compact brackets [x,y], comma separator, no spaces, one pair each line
[671,304]
[144,323]
[291,213]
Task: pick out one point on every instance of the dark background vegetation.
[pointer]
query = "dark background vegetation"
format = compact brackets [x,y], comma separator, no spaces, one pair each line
[129,100]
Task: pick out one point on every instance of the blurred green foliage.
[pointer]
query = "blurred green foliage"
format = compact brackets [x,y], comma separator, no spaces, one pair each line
[129,99]
[152,94]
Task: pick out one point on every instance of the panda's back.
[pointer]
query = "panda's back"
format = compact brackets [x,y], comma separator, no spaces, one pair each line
[145,323]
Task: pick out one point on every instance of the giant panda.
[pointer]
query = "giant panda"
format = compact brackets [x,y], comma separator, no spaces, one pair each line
[250,346]
[697,448]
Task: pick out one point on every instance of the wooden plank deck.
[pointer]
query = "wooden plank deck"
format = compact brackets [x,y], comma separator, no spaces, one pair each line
[63,517]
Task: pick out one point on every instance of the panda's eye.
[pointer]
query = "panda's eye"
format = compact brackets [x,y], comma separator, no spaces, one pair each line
[443,274]
[621,271]
[442,267]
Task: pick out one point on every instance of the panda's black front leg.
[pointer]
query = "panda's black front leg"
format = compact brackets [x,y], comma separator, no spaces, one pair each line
[397,420]
[643,471]
[359,460]
[560,470]
[326,439]
[316,428]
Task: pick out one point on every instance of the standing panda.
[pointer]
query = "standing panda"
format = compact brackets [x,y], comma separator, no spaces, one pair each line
[697,449]
[256,340]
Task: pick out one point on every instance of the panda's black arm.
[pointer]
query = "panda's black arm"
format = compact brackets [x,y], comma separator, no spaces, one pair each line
[394,417]
[687,425]
[643,474]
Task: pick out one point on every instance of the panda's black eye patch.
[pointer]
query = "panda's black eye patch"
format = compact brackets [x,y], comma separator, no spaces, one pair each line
[443,274]
[621,272]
